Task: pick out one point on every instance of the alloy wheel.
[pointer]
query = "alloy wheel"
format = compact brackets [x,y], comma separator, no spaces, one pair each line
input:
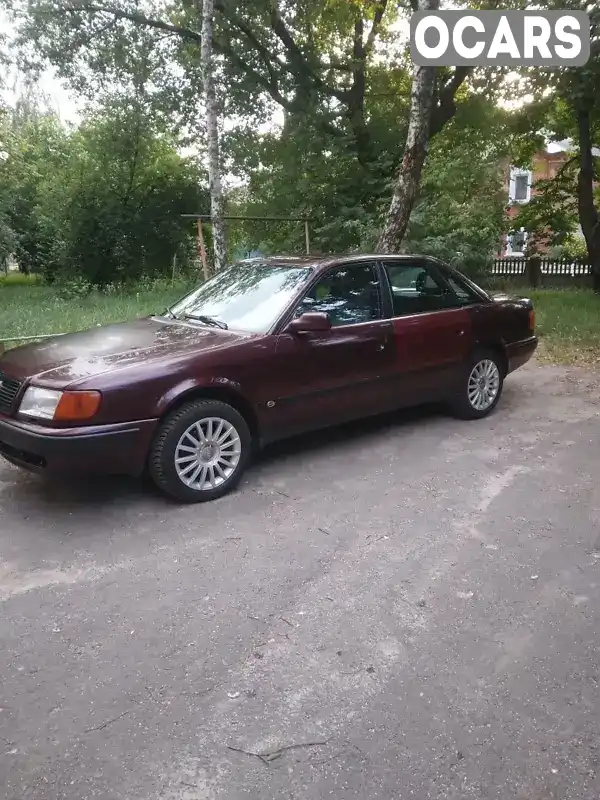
[207,454]
[483,384]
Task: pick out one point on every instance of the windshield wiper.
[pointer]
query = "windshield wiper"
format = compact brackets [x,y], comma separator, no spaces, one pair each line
[216,323]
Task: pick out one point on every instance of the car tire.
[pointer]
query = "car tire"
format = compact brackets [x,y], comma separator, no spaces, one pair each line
[480,387]
[200,451]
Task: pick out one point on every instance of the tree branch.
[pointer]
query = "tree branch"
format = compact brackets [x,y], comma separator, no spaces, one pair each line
[379,12]
[299,65]
[271,85]
[138,18]
[356,94]
[262,50]
[445,107]
[588,215]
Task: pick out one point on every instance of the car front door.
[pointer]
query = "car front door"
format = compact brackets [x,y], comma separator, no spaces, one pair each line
[327,377]
[432,330]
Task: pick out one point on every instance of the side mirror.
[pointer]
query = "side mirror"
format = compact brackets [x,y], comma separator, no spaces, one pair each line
[310,322]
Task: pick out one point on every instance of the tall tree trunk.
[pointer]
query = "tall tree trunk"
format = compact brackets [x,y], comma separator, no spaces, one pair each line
[589,217]
[415,151]
[217,205]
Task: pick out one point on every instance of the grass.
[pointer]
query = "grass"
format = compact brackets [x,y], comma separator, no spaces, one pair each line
[568,320]
[19,279]
[32,310]
[568,324]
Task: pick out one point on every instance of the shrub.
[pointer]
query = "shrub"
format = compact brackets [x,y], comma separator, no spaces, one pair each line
[74,288]
[574,247]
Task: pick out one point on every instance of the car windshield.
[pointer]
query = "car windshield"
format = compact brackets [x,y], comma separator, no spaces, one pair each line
[246,297]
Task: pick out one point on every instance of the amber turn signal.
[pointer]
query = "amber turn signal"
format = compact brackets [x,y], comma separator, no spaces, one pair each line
[532,320]
[77,406]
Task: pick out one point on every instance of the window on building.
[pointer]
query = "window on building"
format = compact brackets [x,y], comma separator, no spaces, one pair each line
[517,241]
[519,189]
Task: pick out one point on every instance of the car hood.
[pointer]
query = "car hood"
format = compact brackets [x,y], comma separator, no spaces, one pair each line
[63,360]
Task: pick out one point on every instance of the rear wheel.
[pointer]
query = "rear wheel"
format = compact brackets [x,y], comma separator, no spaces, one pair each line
[201,451]
[480,387]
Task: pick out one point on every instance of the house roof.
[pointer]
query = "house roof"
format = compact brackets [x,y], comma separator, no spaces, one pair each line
[567,144]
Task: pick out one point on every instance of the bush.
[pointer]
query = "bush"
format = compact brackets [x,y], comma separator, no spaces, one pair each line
[573,248]
[74,288]
[20,279]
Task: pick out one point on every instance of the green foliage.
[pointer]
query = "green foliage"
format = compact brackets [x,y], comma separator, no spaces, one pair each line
[102,202]
[123,196]
[336,71]
[36,151]
[74,288]
[460,215]
[572,98]
[573,247]
[339,78]
[551,215]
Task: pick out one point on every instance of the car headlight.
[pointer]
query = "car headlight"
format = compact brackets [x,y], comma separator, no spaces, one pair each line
[42,403]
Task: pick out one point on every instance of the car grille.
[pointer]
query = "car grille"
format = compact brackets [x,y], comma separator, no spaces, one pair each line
[9,389]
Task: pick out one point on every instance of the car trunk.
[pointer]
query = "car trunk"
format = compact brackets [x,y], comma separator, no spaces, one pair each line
[521,312]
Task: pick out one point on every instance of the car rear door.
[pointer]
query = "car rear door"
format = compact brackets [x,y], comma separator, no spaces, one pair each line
[432,330]
[328,377]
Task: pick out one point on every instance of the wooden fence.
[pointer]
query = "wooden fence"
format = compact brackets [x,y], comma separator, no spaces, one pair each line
[564,268]
[543,271]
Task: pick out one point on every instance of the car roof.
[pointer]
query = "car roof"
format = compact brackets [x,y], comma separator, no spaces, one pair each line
[321,262]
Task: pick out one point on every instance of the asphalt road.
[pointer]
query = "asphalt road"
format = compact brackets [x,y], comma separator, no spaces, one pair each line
[404,608]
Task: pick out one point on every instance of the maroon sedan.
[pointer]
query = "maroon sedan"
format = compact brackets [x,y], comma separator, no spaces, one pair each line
[266,349]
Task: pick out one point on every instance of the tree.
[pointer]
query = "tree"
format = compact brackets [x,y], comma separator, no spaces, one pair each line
[459,215]
[103,201]
[313,60]
[586,109]
[115,211]
[409,175]
[35,147]
[8,236]
[217,205]
[551,215]
[575,113]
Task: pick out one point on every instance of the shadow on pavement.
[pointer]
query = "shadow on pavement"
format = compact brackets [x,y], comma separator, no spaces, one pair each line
[23,492]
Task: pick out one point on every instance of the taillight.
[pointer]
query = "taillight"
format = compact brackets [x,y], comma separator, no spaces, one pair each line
[532,320]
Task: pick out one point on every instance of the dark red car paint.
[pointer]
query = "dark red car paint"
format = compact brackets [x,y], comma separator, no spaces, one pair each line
[282,382]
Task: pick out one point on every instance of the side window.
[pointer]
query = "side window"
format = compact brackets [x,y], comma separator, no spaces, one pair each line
[349,295]
[418,289]
[463,293]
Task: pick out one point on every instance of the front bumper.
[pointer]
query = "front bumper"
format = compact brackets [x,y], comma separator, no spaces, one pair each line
[519,353]
[101,449]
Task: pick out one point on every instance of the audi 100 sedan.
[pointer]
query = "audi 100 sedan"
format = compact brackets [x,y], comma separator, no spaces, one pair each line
[265,349]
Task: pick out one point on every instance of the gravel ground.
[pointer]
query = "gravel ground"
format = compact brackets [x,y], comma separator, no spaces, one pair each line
[406,607]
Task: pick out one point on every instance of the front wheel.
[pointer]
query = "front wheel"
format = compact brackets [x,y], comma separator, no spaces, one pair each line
[481,386]
[200,451]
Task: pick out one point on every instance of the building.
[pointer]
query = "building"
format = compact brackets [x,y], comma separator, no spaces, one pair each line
[520,188]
